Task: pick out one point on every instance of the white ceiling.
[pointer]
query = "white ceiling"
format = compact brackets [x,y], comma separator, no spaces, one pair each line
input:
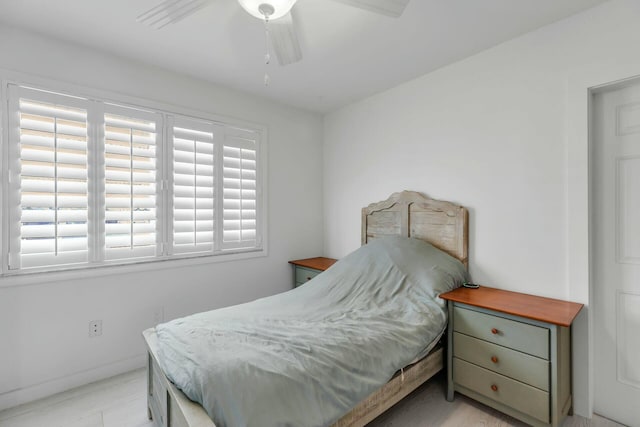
[348,53]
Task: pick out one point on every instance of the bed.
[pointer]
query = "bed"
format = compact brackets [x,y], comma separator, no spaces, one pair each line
[410,214]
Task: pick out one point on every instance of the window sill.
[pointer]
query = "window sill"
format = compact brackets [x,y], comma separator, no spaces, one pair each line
[26,278]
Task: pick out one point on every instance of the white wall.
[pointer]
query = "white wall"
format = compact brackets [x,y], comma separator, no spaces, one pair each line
[44,345]
[489,132]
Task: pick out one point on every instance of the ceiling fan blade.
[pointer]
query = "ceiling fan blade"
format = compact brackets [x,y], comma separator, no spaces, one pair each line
[393,8]
[284,40]
[170,12]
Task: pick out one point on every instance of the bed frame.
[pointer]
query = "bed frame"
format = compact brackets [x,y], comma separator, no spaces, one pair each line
[408,213]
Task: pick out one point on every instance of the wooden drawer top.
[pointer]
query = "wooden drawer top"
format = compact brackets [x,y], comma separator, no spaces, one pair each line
[547,310]
[318,263]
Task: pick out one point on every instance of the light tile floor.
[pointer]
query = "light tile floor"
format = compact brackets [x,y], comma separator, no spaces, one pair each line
[121,402]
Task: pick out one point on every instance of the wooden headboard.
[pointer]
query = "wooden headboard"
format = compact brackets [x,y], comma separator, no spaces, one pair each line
[443,224]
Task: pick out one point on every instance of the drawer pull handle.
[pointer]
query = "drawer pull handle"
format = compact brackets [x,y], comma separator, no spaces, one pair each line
[494,387]
[494,359]
[494,331]
[308,278]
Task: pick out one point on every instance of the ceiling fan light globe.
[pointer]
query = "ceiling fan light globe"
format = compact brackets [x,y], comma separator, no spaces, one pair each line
[280,7]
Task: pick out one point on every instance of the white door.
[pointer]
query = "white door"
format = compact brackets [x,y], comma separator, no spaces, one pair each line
[616,253]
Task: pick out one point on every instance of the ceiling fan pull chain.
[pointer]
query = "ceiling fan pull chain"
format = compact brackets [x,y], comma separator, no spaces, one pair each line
[267,55]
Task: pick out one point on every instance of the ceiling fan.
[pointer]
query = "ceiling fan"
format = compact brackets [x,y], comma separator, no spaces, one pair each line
[276,14]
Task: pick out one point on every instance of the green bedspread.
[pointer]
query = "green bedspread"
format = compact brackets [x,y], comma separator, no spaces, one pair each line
[307,356]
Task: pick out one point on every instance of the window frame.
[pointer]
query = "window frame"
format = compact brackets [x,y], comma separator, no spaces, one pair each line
[166,259]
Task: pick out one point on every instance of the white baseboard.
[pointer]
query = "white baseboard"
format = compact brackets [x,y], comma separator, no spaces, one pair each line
[38,391]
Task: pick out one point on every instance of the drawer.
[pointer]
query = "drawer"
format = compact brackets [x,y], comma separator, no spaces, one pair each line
[305,274]
[520,366]
[521,397]
[519,336]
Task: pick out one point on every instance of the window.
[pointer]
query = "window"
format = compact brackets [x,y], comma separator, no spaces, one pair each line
[215,187]
[194,179]
[49,213]
[239,190]
[95,183]
[130,211]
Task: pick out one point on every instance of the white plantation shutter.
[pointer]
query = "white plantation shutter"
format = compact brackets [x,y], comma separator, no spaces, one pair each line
[49,193]
[194,182]
[240,190]
[131,221]
[92,183]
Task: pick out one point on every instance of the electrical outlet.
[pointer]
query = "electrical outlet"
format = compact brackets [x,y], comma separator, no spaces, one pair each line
[95,328]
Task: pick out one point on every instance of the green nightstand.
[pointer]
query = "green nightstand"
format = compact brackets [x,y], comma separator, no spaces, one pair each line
[306,269]
[512,352]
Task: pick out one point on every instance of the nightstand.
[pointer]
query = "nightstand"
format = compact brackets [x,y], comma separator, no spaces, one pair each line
[306,269]
[512,352]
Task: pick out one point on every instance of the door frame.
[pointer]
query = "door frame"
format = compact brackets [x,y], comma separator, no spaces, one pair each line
[581,87]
